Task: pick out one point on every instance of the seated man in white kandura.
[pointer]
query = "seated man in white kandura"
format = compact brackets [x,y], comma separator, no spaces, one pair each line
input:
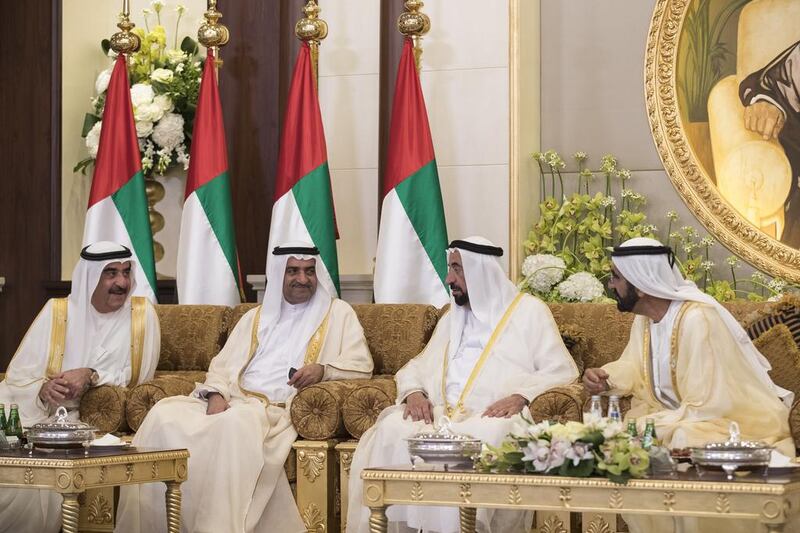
[99,335]
[690,367]
[236,425]
[494,351]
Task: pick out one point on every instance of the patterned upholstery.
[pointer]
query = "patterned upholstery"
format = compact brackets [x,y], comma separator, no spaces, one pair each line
[104,407]
[778,346]
[594,333]
[362,406]
[395,332]
[145,395]
[316,410]
[191,335]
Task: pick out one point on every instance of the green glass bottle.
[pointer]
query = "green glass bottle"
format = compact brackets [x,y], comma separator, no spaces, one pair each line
[3,420]
[632,429]
[649,438]
[14,427]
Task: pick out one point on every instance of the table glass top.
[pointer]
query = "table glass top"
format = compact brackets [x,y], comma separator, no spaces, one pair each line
[78,453]
[778,476]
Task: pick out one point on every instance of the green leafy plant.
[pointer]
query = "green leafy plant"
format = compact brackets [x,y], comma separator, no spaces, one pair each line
[568,249]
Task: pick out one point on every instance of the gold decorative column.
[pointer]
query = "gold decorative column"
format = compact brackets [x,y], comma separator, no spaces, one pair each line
[414,24]
[212,34]
[313,30]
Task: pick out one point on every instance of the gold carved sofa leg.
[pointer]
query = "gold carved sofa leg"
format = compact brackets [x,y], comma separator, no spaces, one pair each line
[345,452]
[317,484]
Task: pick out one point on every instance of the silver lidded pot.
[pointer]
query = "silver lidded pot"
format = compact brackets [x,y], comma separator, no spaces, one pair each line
[443,447]
[60,433]
[732,454]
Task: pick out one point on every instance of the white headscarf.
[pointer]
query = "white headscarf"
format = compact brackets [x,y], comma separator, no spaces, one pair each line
[273,302]
[87,329]
[653,275]
[490,291]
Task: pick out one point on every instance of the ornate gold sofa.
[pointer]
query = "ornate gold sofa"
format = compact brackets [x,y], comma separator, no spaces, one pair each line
[331,416]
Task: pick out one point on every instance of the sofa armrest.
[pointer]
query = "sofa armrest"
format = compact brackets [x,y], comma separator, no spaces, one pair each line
[363,405]
[794,422]
[316,411]
[145,395]
[561,404]
[104,407]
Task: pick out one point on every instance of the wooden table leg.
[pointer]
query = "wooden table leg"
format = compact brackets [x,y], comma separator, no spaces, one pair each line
[173,507]
[467,516]
[70,510]
[377,520]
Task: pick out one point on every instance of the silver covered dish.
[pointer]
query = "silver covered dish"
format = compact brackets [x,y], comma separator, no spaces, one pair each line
[443,447]
[60,433]
[733,454]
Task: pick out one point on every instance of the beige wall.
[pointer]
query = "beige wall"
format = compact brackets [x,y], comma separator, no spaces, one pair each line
[592,98]
[84,24]
[348,92]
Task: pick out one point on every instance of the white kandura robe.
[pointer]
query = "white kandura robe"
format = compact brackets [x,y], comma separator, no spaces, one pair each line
[236,481]
[712,383]
[528,358]
[39,511]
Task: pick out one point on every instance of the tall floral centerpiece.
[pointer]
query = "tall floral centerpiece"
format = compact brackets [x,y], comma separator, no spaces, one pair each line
[568,250]
[165,81]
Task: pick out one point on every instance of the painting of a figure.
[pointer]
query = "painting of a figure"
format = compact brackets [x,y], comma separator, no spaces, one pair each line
[738,79]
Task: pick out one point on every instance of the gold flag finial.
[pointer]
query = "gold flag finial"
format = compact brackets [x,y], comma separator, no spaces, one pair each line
[211,33]
[312,30]
[413,23]
[125,41]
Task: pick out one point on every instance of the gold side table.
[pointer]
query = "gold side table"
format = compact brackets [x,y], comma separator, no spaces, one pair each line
[70,473]
[771,500]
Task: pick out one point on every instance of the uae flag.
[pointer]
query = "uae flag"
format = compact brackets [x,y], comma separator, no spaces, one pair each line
[411,265]
[208,266]
[303,208]
[117,202]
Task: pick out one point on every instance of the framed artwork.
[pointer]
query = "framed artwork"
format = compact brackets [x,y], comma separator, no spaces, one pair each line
[722,86]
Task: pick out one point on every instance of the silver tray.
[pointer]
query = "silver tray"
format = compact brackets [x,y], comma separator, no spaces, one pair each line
[60,433]
[443,447]
[733,454]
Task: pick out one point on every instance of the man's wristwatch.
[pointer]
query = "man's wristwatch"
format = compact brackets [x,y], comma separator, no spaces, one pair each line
[94,378]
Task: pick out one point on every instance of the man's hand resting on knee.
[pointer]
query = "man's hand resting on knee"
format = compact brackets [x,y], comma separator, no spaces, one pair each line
[507,407]
[418,407]
[216,403]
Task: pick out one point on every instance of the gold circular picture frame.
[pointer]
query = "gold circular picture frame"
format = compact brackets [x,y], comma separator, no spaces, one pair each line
[698,123]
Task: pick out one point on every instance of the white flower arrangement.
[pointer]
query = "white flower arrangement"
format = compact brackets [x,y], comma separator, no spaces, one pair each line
[581,287]
[165,82]
[543,271]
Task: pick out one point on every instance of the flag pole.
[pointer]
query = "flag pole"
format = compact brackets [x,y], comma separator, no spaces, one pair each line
[312,30]
[212,34]
[413,23]
[125,41]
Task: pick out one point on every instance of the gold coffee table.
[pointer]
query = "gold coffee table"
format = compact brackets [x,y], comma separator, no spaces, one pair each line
[72,473]
[771,500]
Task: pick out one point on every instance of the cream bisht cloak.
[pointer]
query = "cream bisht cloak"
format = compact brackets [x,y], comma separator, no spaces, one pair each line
[236,479]
[67,334]
[524,355]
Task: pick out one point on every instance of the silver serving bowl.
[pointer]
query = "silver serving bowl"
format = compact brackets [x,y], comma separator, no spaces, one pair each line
[443,447]
[732,455]
[60,433]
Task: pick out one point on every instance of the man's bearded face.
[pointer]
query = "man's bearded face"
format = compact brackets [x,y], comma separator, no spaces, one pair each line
[299,280]
[113,287]
[624,293]
[455,279]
